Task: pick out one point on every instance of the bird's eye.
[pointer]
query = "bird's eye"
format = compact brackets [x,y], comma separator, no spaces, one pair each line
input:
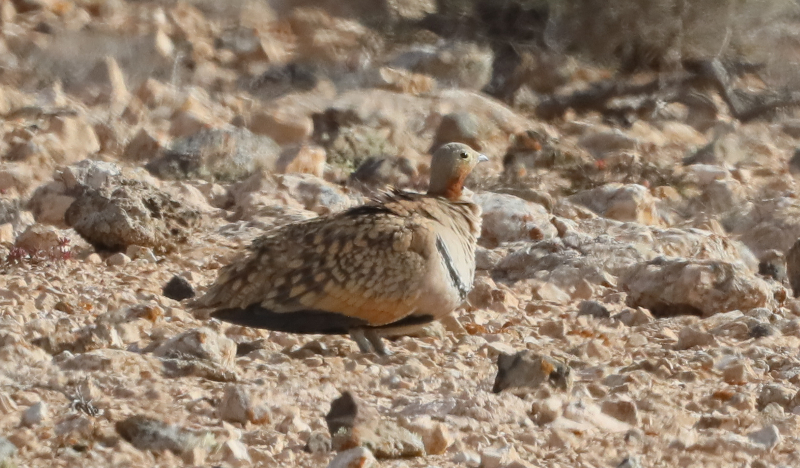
[464,155]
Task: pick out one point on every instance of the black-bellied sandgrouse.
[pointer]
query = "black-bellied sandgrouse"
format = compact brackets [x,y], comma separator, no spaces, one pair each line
[401,261]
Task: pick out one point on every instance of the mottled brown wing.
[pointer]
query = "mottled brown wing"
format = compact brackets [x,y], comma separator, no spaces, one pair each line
[366,263]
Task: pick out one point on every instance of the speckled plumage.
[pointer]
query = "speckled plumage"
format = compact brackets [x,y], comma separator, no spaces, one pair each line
[404,259]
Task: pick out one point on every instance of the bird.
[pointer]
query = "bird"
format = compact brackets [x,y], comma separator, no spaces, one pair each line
[390,266]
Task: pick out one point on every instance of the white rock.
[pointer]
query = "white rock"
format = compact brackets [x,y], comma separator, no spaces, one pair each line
[435,435]
[507,218]
[35,414]
[498,457]
[468,458]
[91,173]
[768,437]
[136,252]
[235,453]
[358,457]
[118,259]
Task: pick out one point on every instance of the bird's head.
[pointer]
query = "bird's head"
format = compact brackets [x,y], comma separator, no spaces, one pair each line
[451,165]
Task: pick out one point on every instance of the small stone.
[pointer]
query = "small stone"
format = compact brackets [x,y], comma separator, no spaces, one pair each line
[235,453]
[146,433]
[352,424]
[402,81]
[551,293]
[7,450]
[200,343]
[775,393]
[94,259]
[215,154]
[39,237]
[623,410]
[793,267]
[178,288]
[343,413]
[594,309]
[527,369]
[636,340]
[304,159]
[118,259]
[318,443]
[671,286]
[358,457]
[6,233]
[630,462]
[768,437]
[761,330]
[498,457]
[468,458]
[282,126]
[34,415]
[690,337]
[435,435]
[237,406]
[137,252]
[738,373]
[143,147]
[553,329]
[163,44]
[595,349]
[196,456]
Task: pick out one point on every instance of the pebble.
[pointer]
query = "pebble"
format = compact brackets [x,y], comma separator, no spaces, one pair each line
[593,309]
[94,259]
[528,369]
[7,450]
[623,410]
[358,457]
[118,259]
[35,414]
[467,458]
[768,437]
[630,462]
[146,433]
[691,337]
[738,373]
[201,343]
[498,457]
[178,288]
[235,453]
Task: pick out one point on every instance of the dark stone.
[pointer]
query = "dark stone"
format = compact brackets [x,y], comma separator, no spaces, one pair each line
[146,433]
[761,330]
[178,289]
[793,267]
[343,413]
[593,308]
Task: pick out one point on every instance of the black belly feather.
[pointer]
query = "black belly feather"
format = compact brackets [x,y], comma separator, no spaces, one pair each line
[306,321]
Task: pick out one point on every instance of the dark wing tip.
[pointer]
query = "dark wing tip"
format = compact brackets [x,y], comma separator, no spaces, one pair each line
[301,321]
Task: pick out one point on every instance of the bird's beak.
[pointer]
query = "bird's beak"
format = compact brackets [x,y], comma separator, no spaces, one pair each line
[482,158]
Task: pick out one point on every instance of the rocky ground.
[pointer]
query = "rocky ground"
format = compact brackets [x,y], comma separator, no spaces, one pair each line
[633,304]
